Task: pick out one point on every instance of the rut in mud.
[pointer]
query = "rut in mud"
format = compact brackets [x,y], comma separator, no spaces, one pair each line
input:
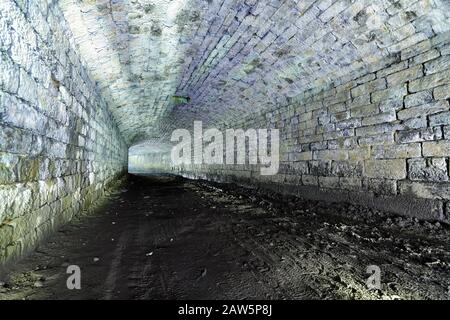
[164,237]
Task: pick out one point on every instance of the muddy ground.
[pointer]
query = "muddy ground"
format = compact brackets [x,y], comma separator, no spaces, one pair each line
[165,237]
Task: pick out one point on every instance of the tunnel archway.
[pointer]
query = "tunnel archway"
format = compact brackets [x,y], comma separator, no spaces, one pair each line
[355,93]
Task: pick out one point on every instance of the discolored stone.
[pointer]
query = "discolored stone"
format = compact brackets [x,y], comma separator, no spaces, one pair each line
[435,169]
[389,169]
[427,190]
[417,99]
[436,148]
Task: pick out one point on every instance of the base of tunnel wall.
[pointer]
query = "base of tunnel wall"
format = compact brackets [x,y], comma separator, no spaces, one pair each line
[408,205]
[422,209]
[60,147]
[93,198]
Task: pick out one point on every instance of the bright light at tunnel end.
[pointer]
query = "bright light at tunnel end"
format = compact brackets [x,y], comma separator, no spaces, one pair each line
[231,147]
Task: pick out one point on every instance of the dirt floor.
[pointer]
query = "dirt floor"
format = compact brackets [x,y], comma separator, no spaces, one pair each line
[164,237]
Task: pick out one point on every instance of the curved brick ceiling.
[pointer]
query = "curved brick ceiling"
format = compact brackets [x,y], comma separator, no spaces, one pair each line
[234,57]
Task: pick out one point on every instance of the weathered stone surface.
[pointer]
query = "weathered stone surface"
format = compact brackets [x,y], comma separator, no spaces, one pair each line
[428,190]
[442,92]
[380,139]
[380,186]
[369,87]
[329,182]
[347,168]
[366,110]
[331,155]
[446,130]
[9,73]
[424,57]
[351,184]
[389,169]
[8,163]
[430,81]
[396,67]
[59,146]
[390,93]
[423,110]
[405,75]
[309,180]
[419,98]
[436,148]
[320,168]
[442,118]
[385,117]
[404,151]
[435,169]
[437,65]
[409,136]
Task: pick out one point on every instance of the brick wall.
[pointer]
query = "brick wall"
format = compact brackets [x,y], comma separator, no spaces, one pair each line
[59,147]
[381,139]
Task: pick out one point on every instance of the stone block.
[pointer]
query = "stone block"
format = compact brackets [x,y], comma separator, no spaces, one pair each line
[437,65]
[300,167]
[380,139]
[360,101]
[419,98]
[442,118]
[397,151]
[329,182]
[380,186]
[320,168]
[436,148]
[392,69]
[388,169]
[446,130]
[412,46]
[359,154]
[423,110]
[405,75]
[347,168]
[442,92]
[20,115]
[351,184]
[309,180]
[368,87]
[430,81]
[365,111]
[389,105]
[348,124]
[341,116]
[424,57]
[302,156]
[386,117]
[410,136]
[375,129]
[8,165]
[434,169]
[331,155]
[9,74]
[428,190]
[391,93]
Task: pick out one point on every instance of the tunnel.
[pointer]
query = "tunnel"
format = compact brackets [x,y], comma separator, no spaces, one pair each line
[225,149]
